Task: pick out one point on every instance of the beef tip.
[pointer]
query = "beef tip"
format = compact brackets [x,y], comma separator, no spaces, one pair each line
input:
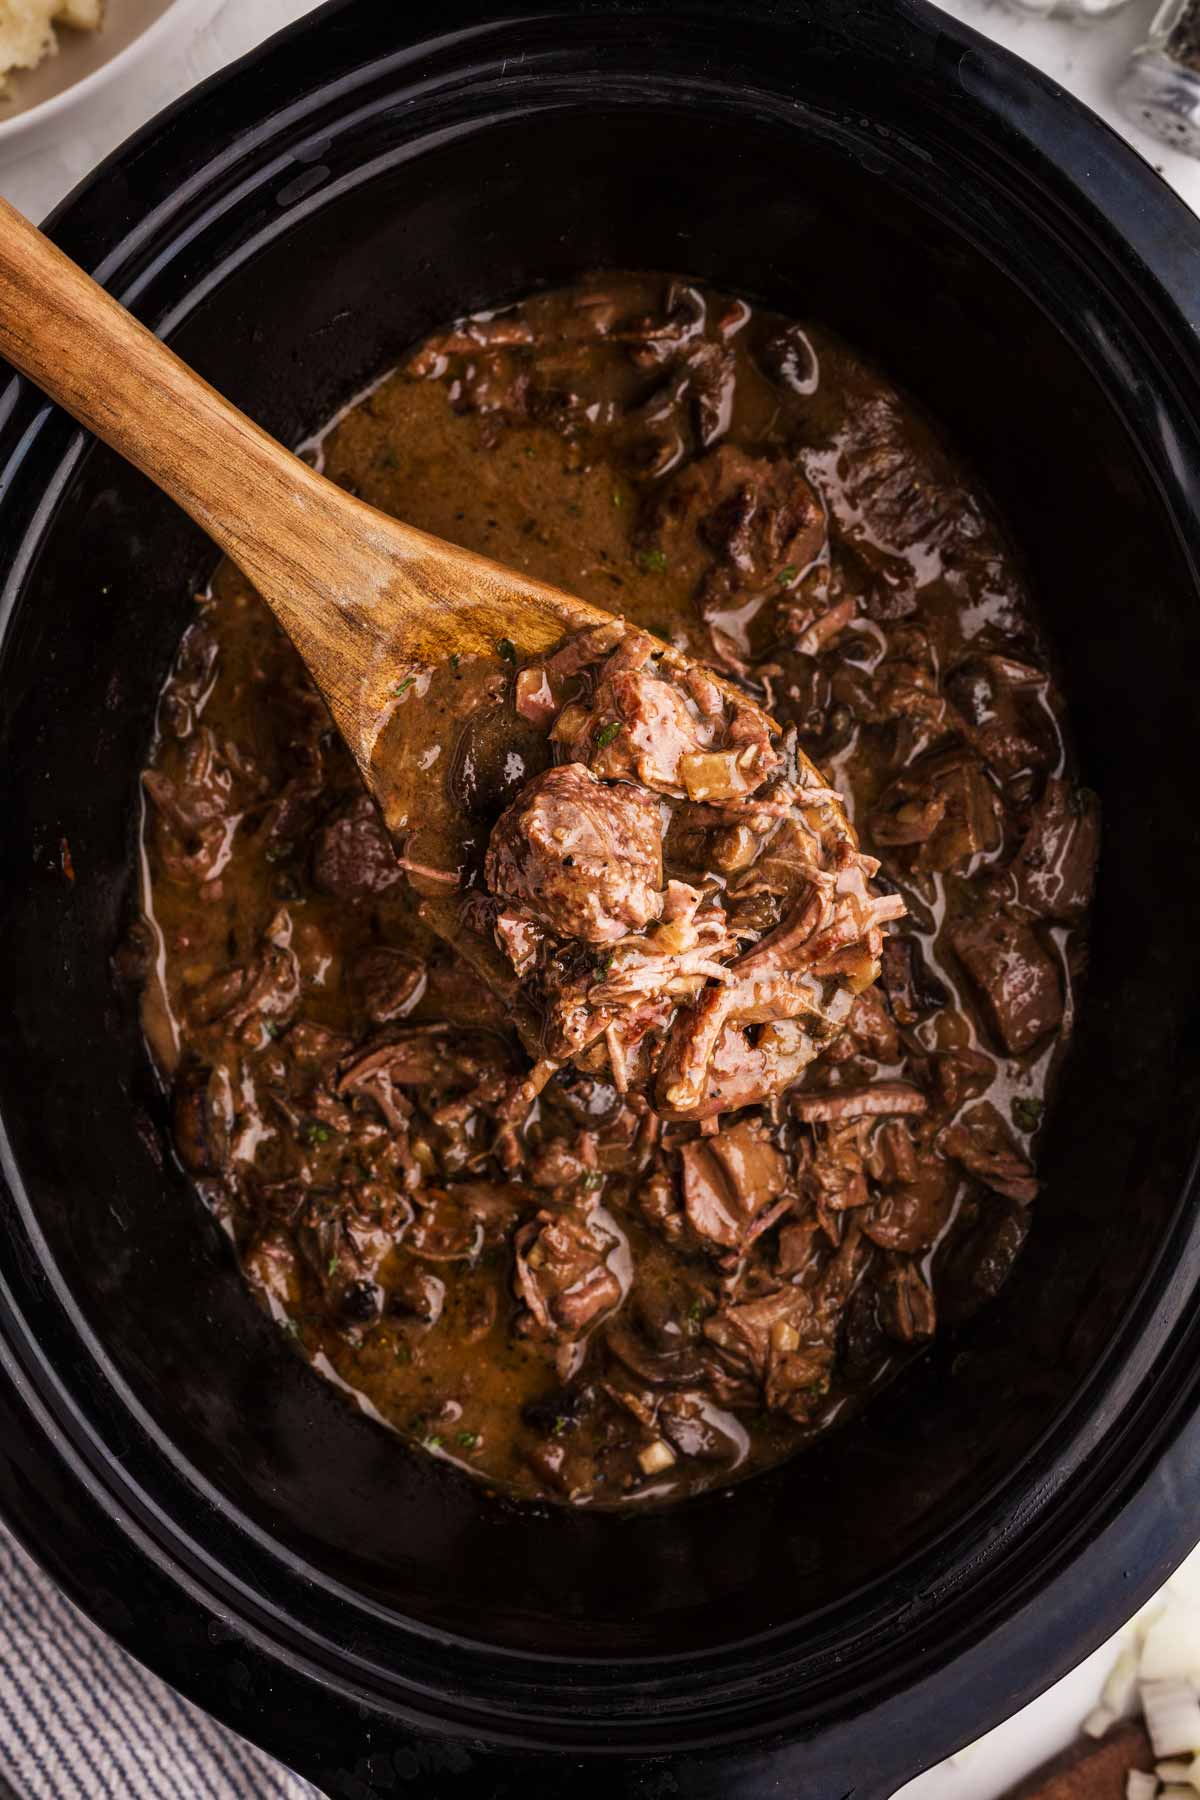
[245,998]
[1005,712]
[801,695]
[938,814]
[381,1070]
[662,336]
[831,1169]
[392,983]
[585,1099]
[678,1365]
[292,814]
[739,521]
[960,1075]
[982,1256]
[583,856]
[906,1307]
[981,1142]
[890,1151]
[777,1341]
[871,1031]
[895,494]
[903,691]
[1055,867]
[1016,979]
[658,1204]
[912,993]
[423,1056]
[758,515]
[353,855]
[640,726]
[912,1214]
[563,1275]
[467,337]
[203,1118]
[712,375]
[731,1182]
[881,1099]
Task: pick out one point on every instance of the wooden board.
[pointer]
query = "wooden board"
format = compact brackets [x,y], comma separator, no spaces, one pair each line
[1090,1770]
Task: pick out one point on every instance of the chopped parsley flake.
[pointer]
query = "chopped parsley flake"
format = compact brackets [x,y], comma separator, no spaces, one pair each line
[560,1424]
[404,686]
[468,1439]
[507,649]
[607,733]
[1027,1113]
[316,1133]
[654,562]
[618,497]
[454,659]
[602,965]
[593,1179]
[433,1443]
[695,1310]
[788,574]
[333,1265]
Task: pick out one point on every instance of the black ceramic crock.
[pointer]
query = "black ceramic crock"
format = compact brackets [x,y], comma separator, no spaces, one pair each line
[372,1619]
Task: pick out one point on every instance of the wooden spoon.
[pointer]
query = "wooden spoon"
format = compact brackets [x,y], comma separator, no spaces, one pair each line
[365,599]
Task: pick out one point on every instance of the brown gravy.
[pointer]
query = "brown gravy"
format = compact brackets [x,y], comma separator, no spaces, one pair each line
[338,1046]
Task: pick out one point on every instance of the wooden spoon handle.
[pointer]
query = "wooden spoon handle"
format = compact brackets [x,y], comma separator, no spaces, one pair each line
[59,327]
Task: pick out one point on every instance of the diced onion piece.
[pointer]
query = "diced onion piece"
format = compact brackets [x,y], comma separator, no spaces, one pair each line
[1140,1786]
[570,722]
[1171,1645]
[1172,1717]
[1118,1690]
[656,1457]
[714,775]
[1099,1721]
[1185,1582]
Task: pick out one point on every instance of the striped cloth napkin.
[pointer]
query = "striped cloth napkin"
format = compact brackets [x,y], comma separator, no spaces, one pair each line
[78,1717]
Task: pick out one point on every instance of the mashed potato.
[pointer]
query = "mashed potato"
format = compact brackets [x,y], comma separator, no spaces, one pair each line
[27,29]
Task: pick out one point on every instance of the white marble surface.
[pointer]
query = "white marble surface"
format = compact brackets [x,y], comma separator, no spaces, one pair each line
[1086,60]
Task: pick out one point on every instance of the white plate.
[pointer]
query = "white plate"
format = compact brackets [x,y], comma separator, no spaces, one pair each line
[86,62]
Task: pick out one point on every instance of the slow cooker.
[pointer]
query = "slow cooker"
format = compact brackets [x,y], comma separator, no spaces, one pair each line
[371,1617]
